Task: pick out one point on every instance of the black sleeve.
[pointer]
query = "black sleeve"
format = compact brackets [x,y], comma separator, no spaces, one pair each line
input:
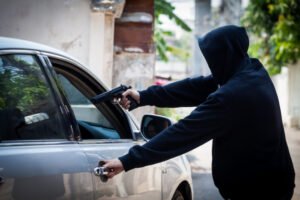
[209,120]
[187,92]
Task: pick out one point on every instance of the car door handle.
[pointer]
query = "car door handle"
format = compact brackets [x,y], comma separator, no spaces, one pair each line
[100,171]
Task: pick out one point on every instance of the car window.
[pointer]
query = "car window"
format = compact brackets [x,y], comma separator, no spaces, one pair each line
[28,110]
[92,123]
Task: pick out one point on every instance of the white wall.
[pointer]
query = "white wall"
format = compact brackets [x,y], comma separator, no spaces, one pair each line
[68,25]
[294,95]
[287,85]
[281,84]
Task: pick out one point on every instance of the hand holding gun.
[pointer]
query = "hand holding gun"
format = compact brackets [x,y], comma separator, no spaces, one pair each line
[114,95]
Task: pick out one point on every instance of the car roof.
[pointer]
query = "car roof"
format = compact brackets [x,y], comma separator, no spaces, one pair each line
[7,43]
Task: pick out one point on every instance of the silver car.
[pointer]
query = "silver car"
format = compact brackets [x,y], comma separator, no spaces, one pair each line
[52,136]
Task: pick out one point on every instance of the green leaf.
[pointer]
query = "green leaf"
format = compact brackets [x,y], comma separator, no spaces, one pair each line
[278,21]
[163,7]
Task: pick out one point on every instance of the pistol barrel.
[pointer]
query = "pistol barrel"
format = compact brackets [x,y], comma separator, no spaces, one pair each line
[110,95]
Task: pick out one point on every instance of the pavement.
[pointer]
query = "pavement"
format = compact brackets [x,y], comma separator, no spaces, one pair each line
[293,140]
[200,159]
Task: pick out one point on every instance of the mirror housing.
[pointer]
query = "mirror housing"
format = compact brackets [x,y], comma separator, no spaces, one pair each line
[153,124]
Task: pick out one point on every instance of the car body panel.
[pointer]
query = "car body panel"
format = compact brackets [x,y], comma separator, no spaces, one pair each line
[11,45]
[19,44]
[177,171]
[44,171]
[143,183]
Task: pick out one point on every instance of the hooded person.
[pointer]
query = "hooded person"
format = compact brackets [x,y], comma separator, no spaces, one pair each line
[237,107]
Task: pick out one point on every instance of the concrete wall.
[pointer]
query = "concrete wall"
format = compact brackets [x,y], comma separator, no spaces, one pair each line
[202,25]
[211,14]
[134,55]
[137,70]
[294,95]
[287,85]
[68,25]
[281,82]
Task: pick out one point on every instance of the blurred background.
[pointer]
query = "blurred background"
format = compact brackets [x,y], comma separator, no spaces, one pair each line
[142,43]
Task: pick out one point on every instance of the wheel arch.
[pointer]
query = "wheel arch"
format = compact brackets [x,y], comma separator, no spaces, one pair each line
[186,190]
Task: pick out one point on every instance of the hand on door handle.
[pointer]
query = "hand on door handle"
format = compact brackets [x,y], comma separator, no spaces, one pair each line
[114,167]
[101,171]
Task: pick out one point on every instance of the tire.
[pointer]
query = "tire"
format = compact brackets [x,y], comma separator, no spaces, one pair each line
[178,196]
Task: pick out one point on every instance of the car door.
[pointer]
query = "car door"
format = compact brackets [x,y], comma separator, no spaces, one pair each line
[106,133]
[39,158]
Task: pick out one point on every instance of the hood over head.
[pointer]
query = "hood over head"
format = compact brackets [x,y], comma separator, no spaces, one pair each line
[225,50]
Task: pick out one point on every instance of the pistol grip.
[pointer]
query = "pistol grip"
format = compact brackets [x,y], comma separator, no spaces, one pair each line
[133,103]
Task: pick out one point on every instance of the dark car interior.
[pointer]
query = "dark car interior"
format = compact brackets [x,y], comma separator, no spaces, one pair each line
[90,130]
[78,88]
[27,109]
[11,119]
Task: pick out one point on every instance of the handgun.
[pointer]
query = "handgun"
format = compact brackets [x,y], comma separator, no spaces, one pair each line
[114,95]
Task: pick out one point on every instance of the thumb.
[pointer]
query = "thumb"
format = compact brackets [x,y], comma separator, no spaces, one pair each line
[133,93]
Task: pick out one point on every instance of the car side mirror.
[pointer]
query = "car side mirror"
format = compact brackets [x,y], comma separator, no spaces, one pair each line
[153,124]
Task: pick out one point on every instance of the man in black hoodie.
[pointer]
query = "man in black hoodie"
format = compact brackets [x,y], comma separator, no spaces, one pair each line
[237,107]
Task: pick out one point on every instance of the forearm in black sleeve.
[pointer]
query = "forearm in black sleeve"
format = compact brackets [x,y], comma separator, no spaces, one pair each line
[206,122]
[187,92]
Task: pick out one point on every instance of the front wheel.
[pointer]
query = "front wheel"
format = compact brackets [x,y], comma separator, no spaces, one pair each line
[178,196]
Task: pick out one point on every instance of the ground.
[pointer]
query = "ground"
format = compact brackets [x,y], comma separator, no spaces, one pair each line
[200,159]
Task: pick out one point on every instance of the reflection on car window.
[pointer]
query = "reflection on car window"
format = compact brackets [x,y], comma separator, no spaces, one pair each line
[27,107]
[92,123]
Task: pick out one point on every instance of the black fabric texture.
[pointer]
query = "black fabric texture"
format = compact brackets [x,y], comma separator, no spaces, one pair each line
[242,116]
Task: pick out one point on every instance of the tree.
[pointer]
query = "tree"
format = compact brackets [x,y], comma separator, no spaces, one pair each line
[163,7]
[22,83]
[275,25]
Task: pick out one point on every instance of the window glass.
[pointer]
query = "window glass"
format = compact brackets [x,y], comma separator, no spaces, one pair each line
[92,123]
[27,107]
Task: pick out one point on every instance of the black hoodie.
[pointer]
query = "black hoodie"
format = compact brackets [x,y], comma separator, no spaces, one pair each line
[251,159]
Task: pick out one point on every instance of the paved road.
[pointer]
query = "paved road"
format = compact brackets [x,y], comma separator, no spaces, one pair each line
[200,159]
[293,140]
[204,188]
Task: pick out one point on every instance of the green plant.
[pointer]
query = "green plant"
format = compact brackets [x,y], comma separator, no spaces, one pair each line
[275,25]
[22,85]
[168,112]
[163,7]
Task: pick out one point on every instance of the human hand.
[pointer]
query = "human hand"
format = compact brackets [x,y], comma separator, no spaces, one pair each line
[114,167]
[125,102]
